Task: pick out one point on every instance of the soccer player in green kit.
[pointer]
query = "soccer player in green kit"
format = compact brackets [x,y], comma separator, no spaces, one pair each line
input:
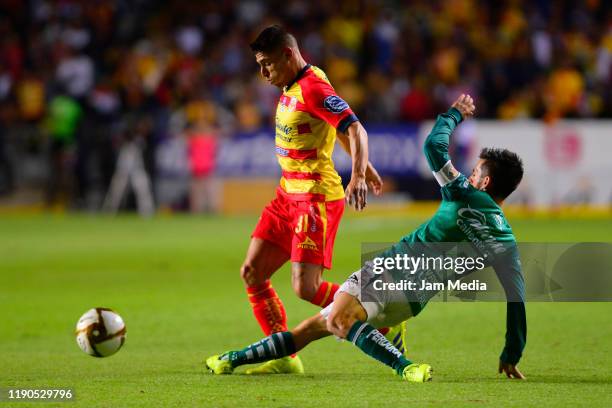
[469,212]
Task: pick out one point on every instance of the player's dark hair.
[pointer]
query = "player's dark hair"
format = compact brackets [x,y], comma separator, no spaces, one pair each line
[271,39]
[505,168]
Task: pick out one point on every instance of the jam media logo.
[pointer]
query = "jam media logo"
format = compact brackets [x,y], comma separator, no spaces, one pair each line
[282,152]
[335,104]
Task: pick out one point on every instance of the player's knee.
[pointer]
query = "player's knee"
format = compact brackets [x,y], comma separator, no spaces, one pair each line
[305,280]
[339,324]
[248,273]
[304,290]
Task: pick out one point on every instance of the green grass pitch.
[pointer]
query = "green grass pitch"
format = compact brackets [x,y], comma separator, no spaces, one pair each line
[175,281]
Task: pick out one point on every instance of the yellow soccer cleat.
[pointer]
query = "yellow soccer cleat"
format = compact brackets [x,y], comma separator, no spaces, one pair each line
[397,337]
[285,365]
[417,373]
[217,366]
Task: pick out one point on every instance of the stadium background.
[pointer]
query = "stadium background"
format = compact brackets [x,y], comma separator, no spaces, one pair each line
[173,89]
[80,80]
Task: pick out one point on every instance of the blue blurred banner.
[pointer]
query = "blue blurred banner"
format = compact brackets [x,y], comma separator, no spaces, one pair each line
[394,149]
[567,162]
[248,154]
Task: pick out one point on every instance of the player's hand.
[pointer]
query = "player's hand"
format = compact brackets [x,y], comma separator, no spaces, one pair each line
[465,105]
[356,192]
[510,370]
[373,180]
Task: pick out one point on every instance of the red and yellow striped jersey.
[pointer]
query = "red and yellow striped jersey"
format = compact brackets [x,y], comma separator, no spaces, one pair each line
[307,115]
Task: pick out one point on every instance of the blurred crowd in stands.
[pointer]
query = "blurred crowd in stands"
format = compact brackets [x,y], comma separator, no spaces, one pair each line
[79,79]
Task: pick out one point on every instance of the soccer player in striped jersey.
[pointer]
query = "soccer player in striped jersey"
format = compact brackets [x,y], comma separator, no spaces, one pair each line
[299,225]
[471,212]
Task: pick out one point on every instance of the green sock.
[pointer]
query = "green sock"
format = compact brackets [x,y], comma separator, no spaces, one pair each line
[375,344]
[274,346]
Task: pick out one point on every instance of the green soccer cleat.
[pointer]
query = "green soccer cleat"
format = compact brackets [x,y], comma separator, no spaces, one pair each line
[417,373]
[285,365]
[218,366]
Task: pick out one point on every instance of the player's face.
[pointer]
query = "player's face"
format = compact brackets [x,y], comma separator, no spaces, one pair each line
[274,67]
[479,179]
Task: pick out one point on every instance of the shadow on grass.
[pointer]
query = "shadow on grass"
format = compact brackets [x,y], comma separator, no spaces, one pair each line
[560,379]
[531,379]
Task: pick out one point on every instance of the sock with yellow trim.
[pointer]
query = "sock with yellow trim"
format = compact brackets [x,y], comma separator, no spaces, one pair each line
[325,294]
[267,308]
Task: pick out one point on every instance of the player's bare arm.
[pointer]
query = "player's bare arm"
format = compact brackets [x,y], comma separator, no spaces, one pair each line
[373,179]
[357,189]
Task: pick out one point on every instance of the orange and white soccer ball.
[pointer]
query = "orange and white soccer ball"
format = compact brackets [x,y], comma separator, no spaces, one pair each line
[100,332]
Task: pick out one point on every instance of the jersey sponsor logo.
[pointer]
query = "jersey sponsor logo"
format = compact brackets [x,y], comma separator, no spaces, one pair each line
[378,338]
[335,104]
[473,224]
[470,213]
[284,138]
[307,244]
[283,128]
[282,152]
[296,154]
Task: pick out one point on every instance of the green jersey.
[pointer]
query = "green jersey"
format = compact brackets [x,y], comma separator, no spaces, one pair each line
[64,115]
[467,214]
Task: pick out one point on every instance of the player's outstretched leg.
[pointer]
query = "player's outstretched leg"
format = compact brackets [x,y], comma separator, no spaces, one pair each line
[308,285]
[347,320]
[262,260]
[277,347]
[374,344]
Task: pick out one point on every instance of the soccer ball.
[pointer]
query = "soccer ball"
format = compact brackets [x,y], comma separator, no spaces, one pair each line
[100,332]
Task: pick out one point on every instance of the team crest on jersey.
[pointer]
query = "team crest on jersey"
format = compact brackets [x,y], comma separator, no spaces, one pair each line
[335,104]
[288,104]
[497,219]
[292,104]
